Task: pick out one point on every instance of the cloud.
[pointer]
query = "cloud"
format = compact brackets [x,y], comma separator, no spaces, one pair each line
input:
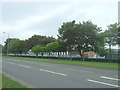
[22,20]
[31,19]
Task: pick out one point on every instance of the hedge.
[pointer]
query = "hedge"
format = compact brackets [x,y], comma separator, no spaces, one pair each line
[74,58]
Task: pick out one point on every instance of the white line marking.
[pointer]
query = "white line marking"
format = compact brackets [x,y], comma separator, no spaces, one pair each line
[25,66]
[103,83]
[54,72]
[10,62]
[109,78]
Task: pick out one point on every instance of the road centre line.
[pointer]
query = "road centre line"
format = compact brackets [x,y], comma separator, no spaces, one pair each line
[109,78]
[53,72]
[102,83]
[25,66]
[11,62]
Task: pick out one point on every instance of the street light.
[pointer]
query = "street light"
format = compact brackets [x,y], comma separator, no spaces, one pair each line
[7,42]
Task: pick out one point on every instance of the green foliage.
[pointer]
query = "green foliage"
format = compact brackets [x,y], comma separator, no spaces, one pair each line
[5,47]
[39,40]
[14,46]
[53,47]
[111,34]
[37,49]
[82,37]
[24,46]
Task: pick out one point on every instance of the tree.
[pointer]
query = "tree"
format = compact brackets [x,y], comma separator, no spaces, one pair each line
[86,38]
[14,46]
[37,49]
[39,40]
[100,45]
[24,46]
[67,35]
[5,47]
[111,36]
[53,47]
[81,37]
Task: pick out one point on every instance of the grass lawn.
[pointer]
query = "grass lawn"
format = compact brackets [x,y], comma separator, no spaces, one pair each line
[82,63]
[9,83]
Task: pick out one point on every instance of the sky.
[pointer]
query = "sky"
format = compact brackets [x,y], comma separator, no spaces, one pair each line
[22,18]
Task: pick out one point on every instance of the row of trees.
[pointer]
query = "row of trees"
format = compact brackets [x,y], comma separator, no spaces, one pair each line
[17,46]
[83,36]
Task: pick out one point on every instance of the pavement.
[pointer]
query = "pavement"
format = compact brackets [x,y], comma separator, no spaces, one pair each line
[36,74]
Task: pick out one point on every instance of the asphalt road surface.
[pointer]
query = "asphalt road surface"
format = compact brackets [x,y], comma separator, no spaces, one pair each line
[36,74]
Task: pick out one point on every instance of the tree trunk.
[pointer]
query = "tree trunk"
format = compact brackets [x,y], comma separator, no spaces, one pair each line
[80,53]
[110,52]
[70,56]
[58,55]
[42,54]
[49,53]
[79,50]
[63,53]
[36,55]
[66,53]
[83,55]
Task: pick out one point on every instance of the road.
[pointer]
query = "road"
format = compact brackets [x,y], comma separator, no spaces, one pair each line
[36,74]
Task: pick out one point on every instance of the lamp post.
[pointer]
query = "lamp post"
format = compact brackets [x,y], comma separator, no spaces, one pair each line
[7,42]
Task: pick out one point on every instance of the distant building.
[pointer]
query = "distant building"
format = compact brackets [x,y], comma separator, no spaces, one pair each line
[90,54]
[85,54]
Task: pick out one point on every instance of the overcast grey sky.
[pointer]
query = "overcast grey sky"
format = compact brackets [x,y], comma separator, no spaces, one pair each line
[24,19]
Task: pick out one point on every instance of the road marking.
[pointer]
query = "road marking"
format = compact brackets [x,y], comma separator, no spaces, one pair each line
[25,66]
[53,72]
[10,62]
[102,83]
[109,78]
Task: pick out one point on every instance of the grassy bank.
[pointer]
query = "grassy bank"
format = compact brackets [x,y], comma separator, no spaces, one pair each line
[80,63]
[9,83]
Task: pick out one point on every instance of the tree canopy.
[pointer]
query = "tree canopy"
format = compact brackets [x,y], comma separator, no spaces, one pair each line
[81,37]
[39,40]
[111,34]
[37,49]
[14,46]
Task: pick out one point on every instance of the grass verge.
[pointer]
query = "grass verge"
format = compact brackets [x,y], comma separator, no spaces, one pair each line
[9,83]
[83,63]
